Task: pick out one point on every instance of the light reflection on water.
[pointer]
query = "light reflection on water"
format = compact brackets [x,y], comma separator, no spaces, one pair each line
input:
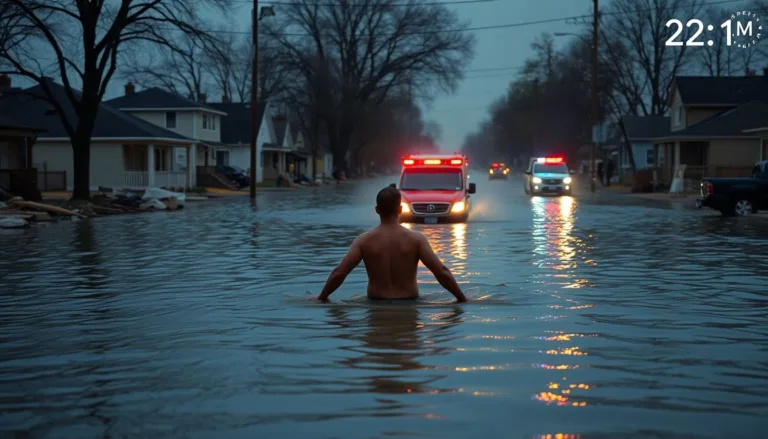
[589,322]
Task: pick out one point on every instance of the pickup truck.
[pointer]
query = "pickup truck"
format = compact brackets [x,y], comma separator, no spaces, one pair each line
[736,196]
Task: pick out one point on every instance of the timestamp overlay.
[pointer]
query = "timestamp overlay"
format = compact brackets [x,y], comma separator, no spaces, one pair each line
[742,29]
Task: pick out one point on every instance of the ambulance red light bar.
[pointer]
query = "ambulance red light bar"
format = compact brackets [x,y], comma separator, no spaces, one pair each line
[434,162]
[549,160]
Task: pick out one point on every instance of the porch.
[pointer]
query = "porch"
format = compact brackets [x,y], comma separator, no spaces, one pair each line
[274,160]
[703,159]
[153,166]
[17,173]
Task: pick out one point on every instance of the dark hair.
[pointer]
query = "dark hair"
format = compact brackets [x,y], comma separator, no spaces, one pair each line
[388,200]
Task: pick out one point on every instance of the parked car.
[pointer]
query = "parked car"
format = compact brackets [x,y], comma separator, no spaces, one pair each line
[234,174]
[737,196]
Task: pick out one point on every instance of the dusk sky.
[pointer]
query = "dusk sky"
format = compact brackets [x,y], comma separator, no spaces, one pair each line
[499,53]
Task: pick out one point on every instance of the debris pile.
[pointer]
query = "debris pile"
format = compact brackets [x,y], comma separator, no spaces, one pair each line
[16,212]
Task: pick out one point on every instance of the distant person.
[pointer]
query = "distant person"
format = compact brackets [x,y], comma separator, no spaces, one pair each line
[609,169]
[391,254]
[600,173]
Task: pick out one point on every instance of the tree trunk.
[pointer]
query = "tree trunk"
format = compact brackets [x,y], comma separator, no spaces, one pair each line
[81,166]
[628,146]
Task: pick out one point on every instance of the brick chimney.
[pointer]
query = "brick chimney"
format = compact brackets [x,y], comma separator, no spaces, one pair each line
[129,88]
[203,98]
[5,82]
[225,99]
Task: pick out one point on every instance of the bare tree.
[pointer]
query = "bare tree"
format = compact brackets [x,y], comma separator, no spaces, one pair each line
[83,38]
[371,48]
[176,68]
[718,57]
[230,64]
[634,36]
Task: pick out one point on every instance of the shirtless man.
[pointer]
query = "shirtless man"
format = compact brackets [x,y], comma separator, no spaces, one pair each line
[391,254]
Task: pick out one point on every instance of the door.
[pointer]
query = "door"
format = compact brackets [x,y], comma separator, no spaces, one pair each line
[222,157]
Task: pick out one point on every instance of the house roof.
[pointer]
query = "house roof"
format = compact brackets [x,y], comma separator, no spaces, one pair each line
[729,123]
[158,99]
[280,125]
[236,125]
[722,90]
[30,108]
[8,122]
[645,127]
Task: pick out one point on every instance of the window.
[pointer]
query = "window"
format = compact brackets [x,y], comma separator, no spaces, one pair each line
[162,161]
[205,121]
[649,157]
[434,180]
[209,122]
[213,123]
[170,119]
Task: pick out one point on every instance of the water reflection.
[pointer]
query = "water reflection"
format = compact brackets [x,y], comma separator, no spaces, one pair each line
[394,343]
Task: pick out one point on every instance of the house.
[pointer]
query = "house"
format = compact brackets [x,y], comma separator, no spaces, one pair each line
[298,156]
[236,135]
[17,172]
[193,120]
[276,154]
[126,151]
[640,131]
[712,122]
[322,167]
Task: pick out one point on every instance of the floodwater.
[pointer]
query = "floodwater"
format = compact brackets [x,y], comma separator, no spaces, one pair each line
[588,320]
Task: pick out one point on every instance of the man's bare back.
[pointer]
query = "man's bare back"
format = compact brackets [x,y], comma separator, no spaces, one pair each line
[391,254]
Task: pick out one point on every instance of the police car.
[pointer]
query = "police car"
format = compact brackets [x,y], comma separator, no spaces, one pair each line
[435,189]
[547,176]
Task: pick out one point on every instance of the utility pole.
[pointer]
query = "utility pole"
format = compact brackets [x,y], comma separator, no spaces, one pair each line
[254,99]
[595,109]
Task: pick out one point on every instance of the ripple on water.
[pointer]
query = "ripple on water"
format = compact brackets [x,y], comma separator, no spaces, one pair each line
[587,321]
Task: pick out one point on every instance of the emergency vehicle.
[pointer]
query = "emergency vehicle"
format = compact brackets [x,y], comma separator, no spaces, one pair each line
[435,189]
[498,170]
[547,176]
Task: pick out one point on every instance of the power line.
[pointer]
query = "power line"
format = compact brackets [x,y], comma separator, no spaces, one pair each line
[498,26]
[404,5]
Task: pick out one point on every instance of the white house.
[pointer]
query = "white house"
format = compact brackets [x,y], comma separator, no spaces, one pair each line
[193,120]
[126,151]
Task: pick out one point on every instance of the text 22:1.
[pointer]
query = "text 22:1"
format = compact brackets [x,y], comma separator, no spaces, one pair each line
[691,41]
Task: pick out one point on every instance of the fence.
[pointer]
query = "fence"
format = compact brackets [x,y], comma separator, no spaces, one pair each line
[140,179]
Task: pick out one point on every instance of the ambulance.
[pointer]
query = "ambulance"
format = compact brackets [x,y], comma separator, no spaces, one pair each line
[435,189]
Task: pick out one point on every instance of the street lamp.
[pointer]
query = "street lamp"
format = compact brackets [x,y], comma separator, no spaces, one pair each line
[265,11]
[595,109]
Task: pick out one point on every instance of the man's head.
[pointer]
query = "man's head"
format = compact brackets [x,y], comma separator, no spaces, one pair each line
[388,203]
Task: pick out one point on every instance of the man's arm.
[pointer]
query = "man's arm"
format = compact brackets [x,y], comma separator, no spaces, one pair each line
[337,276]
[443,275]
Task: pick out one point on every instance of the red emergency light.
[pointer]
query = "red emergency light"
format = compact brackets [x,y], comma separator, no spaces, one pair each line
[434,162]
[550,160]
[495,165]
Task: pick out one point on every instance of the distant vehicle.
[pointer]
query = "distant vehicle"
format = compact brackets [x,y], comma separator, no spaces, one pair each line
[234,174]
[435,189]
[547,176]
[498,170]
[736,196]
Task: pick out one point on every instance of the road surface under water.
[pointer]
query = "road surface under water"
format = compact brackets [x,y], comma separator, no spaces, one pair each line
[588,320]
